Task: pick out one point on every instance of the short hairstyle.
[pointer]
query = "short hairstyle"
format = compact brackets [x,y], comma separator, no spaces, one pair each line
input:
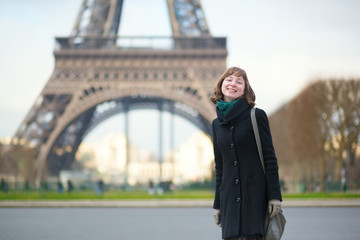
[249,94]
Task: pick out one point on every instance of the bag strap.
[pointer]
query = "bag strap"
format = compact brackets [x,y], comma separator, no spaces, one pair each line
[257,136]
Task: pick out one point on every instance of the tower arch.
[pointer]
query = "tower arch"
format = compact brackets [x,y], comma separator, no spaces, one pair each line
[94,66]
[63,150]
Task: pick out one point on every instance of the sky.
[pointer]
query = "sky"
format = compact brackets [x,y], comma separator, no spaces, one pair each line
[283,45]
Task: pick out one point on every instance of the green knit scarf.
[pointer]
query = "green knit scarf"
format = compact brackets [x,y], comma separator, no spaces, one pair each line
[224,107]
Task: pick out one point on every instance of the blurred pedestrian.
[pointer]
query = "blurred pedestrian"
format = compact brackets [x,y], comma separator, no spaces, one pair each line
[151,190]
[70,186]
[3,185]
[243,192]
[99,186]
[60,186]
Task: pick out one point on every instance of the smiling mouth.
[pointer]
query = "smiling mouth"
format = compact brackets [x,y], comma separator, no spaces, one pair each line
[231,90]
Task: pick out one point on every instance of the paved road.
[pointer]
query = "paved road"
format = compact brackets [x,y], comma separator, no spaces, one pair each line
[163,223]
[207,203]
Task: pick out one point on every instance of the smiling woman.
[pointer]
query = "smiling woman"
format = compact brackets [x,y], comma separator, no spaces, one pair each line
[233,87]
[243,192]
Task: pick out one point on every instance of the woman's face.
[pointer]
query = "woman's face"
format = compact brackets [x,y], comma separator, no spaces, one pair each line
[232,88]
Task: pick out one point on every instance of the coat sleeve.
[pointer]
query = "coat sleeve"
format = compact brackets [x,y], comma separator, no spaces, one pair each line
[270,160]
[218,169]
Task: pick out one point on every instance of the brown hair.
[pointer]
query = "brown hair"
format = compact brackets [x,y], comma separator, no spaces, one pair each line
[249,94]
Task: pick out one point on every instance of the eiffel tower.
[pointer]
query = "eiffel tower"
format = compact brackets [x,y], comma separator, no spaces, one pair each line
[99,74]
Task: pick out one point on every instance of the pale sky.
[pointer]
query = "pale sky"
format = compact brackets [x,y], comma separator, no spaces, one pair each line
[282,44]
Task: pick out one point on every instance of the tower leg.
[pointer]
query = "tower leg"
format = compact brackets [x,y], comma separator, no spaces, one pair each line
[172,139]
[127,144]
[160,141]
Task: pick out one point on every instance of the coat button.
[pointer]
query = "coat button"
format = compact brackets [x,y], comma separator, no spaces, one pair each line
[232,128]
[237,181]
[232,146]
[237,199]
[235,163]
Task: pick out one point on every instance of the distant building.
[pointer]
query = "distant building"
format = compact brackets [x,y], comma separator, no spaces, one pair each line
[193,159]
[190,162]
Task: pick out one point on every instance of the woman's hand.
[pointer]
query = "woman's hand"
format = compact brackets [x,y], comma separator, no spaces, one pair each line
[217,217]
[274,207]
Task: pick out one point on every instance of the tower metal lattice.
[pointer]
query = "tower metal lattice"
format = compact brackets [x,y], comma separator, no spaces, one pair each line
[99,74]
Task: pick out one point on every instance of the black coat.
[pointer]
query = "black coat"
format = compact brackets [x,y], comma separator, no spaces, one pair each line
[242,189]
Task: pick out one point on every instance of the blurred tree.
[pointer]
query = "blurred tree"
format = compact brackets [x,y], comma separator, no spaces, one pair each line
[20,162]
[1,156]
[279,124]
[344,121]
[318,127]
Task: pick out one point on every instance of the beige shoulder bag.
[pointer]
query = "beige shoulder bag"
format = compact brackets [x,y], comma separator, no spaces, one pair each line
[274,227]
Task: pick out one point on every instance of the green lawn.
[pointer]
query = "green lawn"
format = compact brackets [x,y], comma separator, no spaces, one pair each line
[323,195]
[141,194]
[107,195]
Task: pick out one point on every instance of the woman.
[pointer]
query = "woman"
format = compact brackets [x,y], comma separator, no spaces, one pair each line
[243,192]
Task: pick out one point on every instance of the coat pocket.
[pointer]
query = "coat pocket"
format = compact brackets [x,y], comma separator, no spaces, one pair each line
[256,192]
[256,207]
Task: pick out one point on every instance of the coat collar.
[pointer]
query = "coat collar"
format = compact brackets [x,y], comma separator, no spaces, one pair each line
[238,109]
